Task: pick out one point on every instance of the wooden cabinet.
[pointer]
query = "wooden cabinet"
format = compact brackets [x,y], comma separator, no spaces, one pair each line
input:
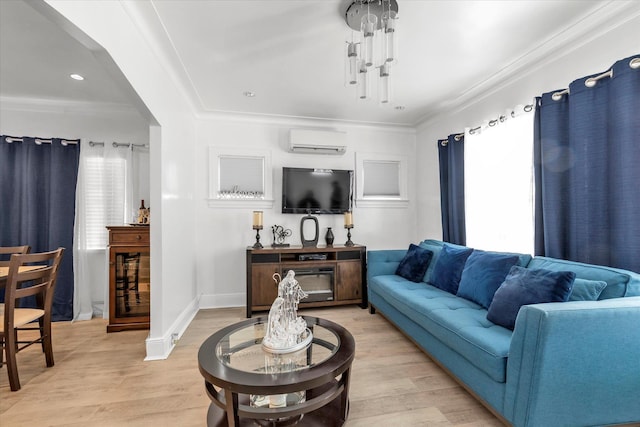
[332,275]
[129,278]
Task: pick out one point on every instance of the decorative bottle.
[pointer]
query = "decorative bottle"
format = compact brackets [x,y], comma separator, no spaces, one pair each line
[329,237]
[143,214]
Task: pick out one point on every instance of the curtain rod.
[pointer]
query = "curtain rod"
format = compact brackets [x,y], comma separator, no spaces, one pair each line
[457,137]
[634,63]
[117,144]
[40,141]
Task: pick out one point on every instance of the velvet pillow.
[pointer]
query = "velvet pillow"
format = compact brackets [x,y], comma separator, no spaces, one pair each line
[448,268]
[415,263]
[524,286]
[587,290]
[483,274]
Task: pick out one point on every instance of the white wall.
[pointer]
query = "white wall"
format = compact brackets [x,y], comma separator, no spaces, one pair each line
[588,55]
[172,176]
[224,233]
[88,123]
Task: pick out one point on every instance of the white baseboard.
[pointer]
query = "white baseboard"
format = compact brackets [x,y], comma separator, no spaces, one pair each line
[222,300]
[160,348]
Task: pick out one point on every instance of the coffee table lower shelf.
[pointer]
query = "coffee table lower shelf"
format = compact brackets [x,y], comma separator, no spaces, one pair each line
[326,416]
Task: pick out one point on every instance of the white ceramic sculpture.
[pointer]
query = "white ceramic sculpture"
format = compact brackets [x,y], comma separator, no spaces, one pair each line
[286,332]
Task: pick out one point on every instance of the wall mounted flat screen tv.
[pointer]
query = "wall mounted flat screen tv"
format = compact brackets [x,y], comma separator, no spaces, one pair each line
[316,191]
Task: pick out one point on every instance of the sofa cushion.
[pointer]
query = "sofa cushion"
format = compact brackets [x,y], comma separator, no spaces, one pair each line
[483,274]
[448,268]
[617,280]
[458,323]
[586,290]
[414,264]
[528,286]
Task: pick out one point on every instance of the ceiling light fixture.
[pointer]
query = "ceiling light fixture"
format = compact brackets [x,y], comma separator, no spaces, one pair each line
[76,77]
[249,94]
[372,46]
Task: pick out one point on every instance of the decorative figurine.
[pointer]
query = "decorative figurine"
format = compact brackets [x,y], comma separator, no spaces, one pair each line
[279,234]
[286,332]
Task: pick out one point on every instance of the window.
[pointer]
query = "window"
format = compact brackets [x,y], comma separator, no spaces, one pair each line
[499,186]
[381,180]
[238,179]
[104,198]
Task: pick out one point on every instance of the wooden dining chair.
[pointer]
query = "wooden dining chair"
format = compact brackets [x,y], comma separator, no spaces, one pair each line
[37,272]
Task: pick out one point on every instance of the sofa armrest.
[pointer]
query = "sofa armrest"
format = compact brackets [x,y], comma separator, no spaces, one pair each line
[383,262]
[575,363]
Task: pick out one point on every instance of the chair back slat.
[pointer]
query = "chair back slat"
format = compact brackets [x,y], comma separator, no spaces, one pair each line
[7,251]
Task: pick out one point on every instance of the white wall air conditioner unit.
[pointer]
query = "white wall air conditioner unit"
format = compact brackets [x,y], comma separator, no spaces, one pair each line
[309,141]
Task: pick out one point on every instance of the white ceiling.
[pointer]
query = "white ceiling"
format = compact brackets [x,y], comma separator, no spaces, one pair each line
[290,54]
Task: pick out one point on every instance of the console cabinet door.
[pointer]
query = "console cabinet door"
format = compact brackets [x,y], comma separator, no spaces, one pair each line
[263,288]
[349,281]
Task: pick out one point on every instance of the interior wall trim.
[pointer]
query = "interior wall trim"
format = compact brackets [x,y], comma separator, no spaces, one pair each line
[63,106]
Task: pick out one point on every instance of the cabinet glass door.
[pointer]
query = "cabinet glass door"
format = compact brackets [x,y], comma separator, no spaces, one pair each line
[132,290]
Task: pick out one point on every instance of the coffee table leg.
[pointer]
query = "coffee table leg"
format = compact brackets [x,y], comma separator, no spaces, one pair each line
[232,408]
[344,398]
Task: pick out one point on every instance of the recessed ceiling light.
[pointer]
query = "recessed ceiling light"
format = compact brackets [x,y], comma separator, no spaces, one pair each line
[399,107]
[249,94]
[76,76]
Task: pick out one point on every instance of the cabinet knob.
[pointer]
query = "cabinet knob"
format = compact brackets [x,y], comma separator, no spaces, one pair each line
[138,237]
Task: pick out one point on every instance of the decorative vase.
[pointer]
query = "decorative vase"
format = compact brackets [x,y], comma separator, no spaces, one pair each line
[329,237]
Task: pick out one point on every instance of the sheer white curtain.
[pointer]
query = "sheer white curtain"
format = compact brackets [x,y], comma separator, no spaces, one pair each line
[499,184]
[103,197]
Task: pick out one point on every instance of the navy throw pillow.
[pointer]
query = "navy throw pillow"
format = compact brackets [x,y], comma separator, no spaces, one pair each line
[448,268]
[524,286]
[415,263]
[483,274]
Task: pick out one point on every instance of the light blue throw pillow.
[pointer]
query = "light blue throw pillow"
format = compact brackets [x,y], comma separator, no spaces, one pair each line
[483,274]
[587,290]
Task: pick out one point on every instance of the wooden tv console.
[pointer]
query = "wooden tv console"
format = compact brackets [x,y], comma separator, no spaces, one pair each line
[345,268]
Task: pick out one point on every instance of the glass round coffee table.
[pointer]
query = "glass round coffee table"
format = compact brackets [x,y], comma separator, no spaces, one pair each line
[249,386]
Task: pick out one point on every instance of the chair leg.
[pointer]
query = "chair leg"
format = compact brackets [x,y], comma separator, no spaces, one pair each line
[12,368]
[47,343]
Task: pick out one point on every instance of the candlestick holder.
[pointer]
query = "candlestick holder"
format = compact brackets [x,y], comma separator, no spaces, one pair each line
[349,242]
[257,244]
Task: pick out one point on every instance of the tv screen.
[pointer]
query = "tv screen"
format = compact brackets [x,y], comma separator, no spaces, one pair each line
[316,191]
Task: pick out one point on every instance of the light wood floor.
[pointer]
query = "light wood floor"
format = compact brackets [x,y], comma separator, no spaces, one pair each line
[100,379]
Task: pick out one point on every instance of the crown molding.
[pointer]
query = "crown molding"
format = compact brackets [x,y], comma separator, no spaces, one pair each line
[43,105]
[282,120]
[593,25]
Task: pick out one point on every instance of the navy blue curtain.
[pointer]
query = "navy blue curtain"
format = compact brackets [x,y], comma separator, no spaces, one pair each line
[38,193]
[587,169]
[451,157]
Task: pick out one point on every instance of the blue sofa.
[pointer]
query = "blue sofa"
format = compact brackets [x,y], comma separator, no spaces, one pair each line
[574,363]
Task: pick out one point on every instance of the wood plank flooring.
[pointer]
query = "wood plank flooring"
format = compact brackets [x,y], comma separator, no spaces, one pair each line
[100,379]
